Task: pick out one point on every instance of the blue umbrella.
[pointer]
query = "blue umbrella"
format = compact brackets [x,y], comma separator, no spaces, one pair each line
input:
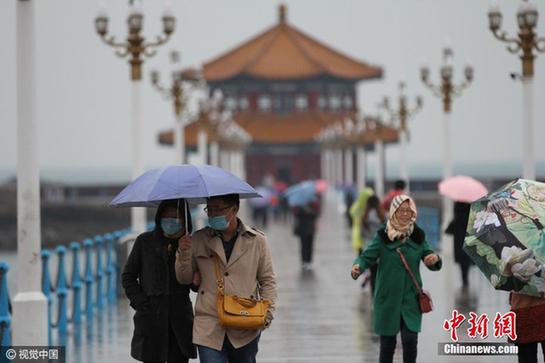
[301,194]
[265,199]
[194,183]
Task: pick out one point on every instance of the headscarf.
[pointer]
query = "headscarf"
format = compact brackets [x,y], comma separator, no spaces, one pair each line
[394,228]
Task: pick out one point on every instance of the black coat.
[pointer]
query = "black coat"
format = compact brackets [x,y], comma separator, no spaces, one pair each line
[160,301]
[305,219]
[457,228]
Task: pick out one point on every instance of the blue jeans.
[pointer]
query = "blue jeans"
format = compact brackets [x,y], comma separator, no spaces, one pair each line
[228,353]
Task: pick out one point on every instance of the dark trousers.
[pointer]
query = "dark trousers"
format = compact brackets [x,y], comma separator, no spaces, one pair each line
[528,352]
[175,355]
[228,353]
[261,216]
[307,242]
[464,268]
[409,341]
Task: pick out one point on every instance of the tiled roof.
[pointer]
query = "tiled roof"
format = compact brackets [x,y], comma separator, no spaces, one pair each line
[269,128]
[296,128]
[284,52]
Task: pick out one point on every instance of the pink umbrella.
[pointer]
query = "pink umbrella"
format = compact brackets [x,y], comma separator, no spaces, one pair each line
[321,185]
[462,189]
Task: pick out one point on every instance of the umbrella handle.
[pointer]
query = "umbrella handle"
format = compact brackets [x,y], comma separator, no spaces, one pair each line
[186,207]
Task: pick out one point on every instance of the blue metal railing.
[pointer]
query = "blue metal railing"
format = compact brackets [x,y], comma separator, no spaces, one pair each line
[88,278]
[47,288]
[99,281]
[76,283]
[62,293]
[429,219]
[99,246]
[5,315]
[95,278]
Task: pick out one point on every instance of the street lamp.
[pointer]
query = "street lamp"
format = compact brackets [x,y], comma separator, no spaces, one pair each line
[348,128]
[135,48]
[402,114]
[234,141]
[446,90]
[527,41]
[177,93]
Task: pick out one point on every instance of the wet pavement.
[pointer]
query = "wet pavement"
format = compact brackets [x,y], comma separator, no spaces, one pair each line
[322,315]
[325,316]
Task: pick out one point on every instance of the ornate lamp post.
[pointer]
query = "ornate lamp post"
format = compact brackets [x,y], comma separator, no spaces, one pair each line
[348,128]
[135,48]
[402,115]
[234,141]
[326,140]
[446,90]
[338,131]
[177,93]
[525,44]
[375,125]
[361,160]
[211,115]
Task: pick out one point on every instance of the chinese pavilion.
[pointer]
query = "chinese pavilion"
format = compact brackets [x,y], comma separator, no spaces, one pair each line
[283,87]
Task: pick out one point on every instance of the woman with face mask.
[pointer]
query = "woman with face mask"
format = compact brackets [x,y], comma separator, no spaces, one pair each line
[396,306]
[163,321]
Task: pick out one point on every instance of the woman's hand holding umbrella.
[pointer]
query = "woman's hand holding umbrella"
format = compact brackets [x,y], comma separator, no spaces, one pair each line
[184,243]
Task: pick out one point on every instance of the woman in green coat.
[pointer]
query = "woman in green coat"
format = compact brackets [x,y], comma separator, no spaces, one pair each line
[396,304]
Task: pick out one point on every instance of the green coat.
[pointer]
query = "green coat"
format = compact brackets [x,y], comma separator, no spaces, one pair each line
[395,293]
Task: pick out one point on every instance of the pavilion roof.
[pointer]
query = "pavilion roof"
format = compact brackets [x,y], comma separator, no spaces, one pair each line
[283,52]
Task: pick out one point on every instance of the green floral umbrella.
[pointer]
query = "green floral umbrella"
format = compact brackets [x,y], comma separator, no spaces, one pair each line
[506,239]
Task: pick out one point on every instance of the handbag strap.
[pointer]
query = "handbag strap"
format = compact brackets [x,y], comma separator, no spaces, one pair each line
[220,286]
[409,270]
[219,278]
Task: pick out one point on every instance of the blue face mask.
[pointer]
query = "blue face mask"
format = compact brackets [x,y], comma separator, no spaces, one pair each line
[218,223]
[171,226]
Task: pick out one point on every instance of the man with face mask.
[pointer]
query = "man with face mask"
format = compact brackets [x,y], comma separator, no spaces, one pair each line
[163,321]
[245,263]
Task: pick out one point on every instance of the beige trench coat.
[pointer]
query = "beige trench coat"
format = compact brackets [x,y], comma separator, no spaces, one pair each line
[250,264]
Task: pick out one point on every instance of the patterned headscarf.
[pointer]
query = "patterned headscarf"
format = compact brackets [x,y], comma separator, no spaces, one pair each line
[394,228]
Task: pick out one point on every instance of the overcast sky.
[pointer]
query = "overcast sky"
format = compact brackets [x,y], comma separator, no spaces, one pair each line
[83,89]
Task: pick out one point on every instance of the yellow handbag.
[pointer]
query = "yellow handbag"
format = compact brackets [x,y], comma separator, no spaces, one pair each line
[239,312]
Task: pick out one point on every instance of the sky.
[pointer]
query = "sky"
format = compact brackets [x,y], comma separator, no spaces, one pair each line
[83,89]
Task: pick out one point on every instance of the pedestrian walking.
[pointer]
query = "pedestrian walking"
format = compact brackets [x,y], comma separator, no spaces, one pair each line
[399,189]
[163,321]
[396,305]
[305,228]
[371,221]
[261,206]
[282,208]
[349,196]
[237,255]
[457,227]
[357,210]
[530,312]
